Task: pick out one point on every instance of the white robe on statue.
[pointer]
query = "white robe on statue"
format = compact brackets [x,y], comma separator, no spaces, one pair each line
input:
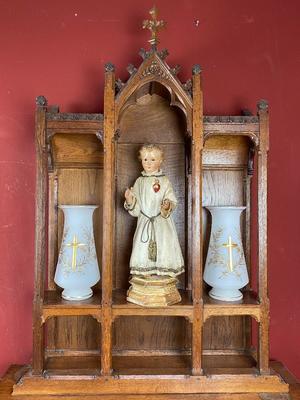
[153,227]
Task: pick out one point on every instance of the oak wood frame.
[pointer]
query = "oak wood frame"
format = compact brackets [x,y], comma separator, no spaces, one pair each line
[199,309]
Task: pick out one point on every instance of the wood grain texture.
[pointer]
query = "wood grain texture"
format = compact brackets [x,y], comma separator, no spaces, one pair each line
[262,238]
[108,222]
[77,149]
[40,239]
[15,372]
[197,225]
[105,347]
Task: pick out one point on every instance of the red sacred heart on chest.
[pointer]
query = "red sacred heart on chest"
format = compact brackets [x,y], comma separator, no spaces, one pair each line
[156,186]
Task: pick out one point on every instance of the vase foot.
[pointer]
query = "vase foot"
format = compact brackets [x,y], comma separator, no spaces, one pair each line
[225,295]
[74,295]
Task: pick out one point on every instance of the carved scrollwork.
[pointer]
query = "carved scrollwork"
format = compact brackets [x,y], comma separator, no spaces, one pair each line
[155,69]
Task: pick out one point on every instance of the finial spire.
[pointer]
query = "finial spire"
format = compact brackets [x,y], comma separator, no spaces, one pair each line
[154,27]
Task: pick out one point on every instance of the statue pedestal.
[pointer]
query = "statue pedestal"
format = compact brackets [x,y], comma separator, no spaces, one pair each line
[153,291]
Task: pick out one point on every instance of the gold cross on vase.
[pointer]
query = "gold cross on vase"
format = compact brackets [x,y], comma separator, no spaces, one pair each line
[230,246]
[75,245]
[154,26]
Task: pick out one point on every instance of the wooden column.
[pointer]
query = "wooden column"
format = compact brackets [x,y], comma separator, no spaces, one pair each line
[40,235]
[108,203]
[197,239]
[263,351]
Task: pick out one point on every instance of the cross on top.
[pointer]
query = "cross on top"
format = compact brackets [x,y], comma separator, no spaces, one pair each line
[154,26]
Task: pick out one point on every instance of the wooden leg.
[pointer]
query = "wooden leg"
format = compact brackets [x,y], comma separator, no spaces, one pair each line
[106,351]
[197,341]
[38,347]
[263,350]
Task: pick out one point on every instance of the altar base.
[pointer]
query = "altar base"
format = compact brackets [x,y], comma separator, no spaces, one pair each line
[153,291]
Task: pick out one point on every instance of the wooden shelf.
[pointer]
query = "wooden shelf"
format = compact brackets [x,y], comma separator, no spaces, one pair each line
[55,305]
[249,305]
[74,366]
[121,307]
[149,365]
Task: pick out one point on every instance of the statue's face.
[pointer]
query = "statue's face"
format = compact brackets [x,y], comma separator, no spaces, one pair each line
[151,161]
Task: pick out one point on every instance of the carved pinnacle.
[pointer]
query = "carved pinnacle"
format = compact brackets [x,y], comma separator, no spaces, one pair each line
[41,101]
[263,105]
[119,85]
[163,54]
[196,69]
[144,53]
[131,69]
[109,67]
[175,70]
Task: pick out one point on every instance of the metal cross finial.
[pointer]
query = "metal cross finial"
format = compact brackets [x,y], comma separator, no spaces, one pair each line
[154,27]
[230,246]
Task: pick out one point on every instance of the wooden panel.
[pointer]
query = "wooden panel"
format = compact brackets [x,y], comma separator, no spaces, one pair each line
[78,186]
[226,150]
[151,333]
[153,121]
[76,149]
[76,333]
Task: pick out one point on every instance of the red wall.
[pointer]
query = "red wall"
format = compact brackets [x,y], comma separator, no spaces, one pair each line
[248,50]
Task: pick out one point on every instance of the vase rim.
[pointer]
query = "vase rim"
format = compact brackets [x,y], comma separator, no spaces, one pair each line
[226,207]
[63,206]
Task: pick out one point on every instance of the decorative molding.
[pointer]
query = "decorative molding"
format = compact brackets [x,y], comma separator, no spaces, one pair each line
[109,67]
[196,69]
[239,119]
[263,105]
[41,101]
[73,117]
[155,69]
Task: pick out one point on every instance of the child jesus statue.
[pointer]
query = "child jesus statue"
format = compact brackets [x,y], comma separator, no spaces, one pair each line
[156,252]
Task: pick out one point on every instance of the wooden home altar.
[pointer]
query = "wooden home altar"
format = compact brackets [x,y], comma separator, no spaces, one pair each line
[199,348]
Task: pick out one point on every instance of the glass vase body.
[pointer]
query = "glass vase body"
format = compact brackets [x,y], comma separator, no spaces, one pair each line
[77,267]
[225,268]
